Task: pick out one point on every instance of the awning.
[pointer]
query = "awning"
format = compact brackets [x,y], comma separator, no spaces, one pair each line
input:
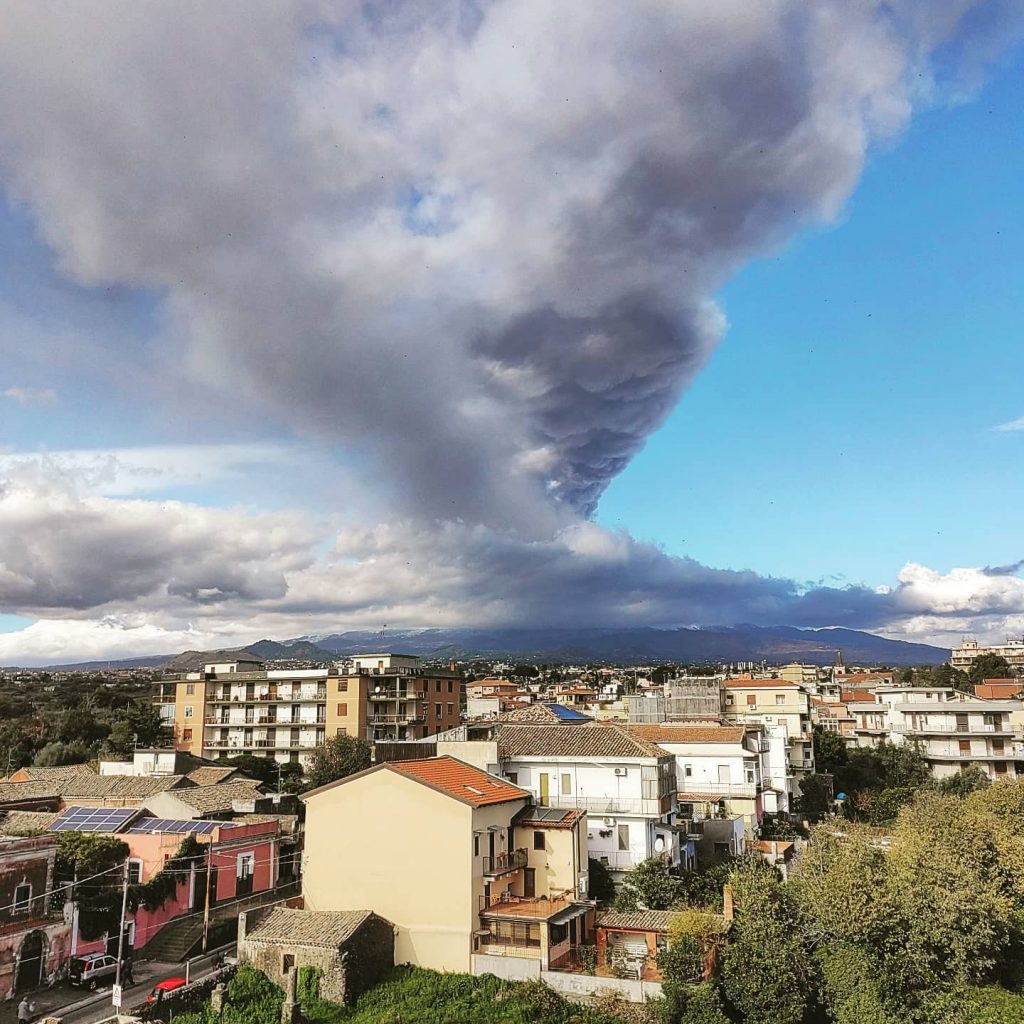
[577,910]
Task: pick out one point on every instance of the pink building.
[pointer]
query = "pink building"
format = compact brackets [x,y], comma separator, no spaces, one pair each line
[244,859]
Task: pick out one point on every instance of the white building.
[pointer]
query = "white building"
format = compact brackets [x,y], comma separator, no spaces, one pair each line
[954,730]
[625,784]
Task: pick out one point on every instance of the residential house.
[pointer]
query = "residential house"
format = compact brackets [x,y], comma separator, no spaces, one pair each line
[34,936]
[775,702]
[222,800]
[353,950]
[625,784]
[465,892]
[57,774]
[962,657]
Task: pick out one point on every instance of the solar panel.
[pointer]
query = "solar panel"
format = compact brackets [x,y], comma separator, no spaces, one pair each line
[93,819]
[198,827]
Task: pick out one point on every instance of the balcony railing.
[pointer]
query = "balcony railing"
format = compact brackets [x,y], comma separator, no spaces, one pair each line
[618,860]
[951,727]
[504,863]
[738,789]
[609,804]
[385,694]
[412,717]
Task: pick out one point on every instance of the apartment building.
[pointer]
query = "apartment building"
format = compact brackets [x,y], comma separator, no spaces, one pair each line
[496,876]
[239,707]
[962,656]
[626,785]
[774,702]
[955,730]
[726,768]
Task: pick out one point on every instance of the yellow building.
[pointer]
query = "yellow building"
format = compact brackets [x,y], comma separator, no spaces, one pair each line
[457,859]
[238,707]
[774,702]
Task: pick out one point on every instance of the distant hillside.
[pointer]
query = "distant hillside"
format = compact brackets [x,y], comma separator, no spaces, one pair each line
[775,644]
[264,650]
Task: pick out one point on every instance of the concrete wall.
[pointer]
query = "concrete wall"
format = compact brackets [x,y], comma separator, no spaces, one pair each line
[572,986]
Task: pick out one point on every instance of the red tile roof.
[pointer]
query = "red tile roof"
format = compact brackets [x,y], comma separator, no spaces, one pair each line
[459,780]
[667,733]
[746,684]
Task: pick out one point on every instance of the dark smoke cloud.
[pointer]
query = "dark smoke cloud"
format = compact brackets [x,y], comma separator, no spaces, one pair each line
[477,244]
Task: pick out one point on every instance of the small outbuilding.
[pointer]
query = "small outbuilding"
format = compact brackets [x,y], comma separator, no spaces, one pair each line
[353,949]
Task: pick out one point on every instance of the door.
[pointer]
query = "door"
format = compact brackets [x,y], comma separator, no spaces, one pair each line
[545,799]
[29,968]
[724,775]
[530,882]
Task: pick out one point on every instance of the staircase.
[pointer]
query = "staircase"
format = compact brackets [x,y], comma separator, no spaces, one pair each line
[174,941]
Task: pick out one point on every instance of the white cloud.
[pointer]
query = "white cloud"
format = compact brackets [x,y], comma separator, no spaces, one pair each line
[31,396]
[1017,424]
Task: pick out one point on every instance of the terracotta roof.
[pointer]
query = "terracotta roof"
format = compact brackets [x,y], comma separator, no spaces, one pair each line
[288,822]
[207,799]
[668,733]
[698,796]
[772,846]
[15,792]
[636,920]
[117,787]
[544,714]
[58,773]
[325,929]
[23,823]
[748,684]
[574,741]
[462,781]
[209,775]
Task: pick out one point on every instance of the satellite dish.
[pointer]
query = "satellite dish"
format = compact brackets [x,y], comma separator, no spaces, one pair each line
[659,844]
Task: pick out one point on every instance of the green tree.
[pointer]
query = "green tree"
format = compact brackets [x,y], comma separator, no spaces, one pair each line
[815,796]
[267,770]
[601,887]
[989,666]
[338,758]
[648,886]
[765,971]
[138,725]
[55,754]
[831,754]
[967,780]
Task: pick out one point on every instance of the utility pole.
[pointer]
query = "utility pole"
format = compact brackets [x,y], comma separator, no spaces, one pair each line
[120,936]
[206,905]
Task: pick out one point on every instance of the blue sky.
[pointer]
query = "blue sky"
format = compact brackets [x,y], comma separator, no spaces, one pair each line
[844,425]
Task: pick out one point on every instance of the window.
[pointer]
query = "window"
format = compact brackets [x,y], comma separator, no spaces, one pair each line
[342,686]
[751,700]
[965,746]
[688,771]
[186,734]
[189,711]
[558,933]
[780,698]
[538,840]
[343,710]
[287,962]
[728,698]
[134,871]
[476,846]
[190,689]
[450,690]
[750,776]
[437,686]
[451,710]
[341,731]
[246,864]
[566,785]
[437,710]
[623,837]
[22,898]
[1000,767]
[512,777]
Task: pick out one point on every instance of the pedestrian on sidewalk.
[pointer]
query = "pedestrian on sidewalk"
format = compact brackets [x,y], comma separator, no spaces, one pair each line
[25,1010]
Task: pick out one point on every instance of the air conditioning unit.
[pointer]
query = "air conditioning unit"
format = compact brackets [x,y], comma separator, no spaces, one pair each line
[620,771]
[609,822]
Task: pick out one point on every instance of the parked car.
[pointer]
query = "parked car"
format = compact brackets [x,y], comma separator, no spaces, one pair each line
[162,988]
[89,970]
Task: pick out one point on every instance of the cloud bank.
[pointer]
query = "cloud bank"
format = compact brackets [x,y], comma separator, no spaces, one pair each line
[477,245]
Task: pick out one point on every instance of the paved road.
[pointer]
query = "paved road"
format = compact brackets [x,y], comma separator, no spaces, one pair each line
[75,1006]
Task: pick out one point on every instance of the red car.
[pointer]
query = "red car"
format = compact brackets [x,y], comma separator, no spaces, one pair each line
[161,988]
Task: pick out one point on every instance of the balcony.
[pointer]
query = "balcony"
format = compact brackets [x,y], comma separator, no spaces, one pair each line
[410,719]
[531,908]
[618,860]
[695,790]
[505,863]
[609,804]
[945,728]
[385,694]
